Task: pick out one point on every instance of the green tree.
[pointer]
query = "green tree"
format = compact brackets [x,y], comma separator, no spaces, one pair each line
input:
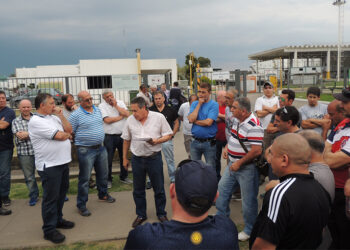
[204,62]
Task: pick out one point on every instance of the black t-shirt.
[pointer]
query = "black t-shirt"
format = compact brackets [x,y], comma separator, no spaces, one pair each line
[293,214]
[6,136]
[169,113]
[215,232]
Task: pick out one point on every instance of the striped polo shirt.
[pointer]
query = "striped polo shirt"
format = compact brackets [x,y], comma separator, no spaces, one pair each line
[87,127]
[250,133]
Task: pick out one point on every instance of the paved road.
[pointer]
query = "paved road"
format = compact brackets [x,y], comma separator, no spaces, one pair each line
[22,229]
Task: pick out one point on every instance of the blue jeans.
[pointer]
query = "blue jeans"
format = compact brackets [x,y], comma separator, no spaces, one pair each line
[168,151]
[113,142]
[247,178]
[203,148]
[27,163]
[89,158]
[55,182]
[5,172]
[153,166]
[219,146]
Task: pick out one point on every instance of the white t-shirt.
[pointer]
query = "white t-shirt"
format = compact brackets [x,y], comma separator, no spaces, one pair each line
[156,126]
[47,151]
[108,111]
[269,102]
[184,110]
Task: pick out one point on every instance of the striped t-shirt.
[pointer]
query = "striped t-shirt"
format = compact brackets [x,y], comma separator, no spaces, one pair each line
[87,127]
[250,133]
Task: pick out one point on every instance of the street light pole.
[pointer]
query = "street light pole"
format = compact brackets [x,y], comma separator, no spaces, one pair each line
[340,4]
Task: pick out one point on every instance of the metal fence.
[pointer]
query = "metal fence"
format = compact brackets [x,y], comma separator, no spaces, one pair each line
[27,88]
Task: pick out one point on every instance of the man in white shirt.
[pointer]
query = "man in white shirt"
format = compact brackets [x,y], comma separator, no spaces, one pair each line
[145,95]
[266,105]
[113,114]
[144,133]
[187,126]
[50,133]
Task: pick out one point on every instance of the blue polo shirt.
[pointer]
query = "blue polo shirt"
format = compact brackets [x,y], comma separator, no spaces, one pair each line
[207,110]
[87,127]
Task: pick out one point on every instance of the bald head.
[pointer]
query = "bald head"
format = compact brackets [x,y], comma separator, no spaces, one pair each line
[82,95]
[25,107]
[220,97]
[295,147]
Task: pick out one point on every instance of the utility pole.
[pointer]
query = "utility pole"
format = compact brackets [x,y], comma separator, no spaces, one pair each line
[340,4]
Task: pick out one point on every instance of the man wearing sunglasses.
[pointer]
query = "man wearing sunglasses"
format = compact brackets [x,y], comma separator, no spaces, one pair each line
[89,134]
[337,156]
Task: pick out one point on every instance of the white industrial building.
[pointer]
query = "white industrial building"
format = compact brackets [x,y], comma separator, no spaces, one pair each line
[122,76]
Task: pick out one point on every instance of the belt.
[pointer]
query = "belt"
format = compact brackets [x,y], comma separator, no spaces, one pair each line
[92,147]
[203,139]
[114,134]
[154,154]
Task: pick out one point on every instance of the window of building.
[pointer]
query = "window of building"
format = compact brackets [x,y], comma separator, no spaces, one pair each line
[99,82]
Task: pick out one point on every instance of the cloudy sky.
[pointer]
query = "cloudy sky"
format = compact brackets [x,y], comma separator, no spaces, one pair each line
[48,32]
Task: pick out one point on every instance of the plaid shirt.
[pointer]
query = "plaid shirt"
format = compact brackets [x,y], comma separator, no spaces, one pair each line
[24,147]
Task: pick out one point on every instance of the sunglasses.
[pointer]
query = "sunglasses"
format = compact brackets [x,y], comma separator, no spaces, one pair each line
[88,99]
[282,99]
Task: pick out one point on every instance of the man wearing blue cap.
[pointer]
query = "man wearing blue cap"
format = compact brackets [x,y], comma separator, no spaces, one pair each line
[192,194]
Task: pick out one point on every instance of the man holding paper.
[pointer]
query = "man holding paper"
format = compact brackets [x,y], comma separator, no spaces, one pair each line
[144,132]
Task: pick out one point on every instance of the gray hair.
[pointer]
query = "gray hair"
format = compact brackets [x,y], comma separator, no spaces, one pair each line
[139,101]
[244,104]
[153,86]
[232,91]
[106,92]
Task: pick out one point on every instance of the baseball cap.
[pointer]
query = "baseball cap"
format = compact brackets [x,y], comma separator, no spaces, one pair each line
[344,96]
[195,185]
[268,84]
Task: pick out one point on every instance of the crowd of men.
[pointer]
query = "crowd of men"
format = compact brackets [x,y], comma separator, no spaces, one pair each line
[307,150]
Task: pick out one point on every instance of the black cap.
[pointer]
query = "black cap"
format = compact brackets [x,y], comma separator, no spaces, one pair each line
[196,185]
[268,84]
[344,96]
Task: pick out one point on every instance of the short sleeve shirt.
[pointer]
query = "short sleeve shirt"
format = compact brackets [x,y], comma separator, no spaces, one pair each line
[269,102]
[289,218]
[209,110]
[186,125]
[87,127]
[250,133]
[6,136]
[220,135]
[339,138]
[215,232]
[169,114]
[24,147]
[155,126]
[47,151]
[317,112]
[109,111]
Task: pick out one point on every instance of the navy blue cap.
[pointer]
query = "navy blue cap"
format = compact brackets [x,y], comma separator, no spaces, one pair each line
[195,185]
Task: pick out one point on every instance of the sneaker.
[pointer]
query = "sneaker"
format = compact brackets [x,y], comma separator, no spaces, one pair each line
[126,181]
[65,224]
[4,211]
[6,201]
[163,218]
[242,236]
[33,201]
[107,198]
[148,185]
[109,184]
[84,212]
[55,237]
